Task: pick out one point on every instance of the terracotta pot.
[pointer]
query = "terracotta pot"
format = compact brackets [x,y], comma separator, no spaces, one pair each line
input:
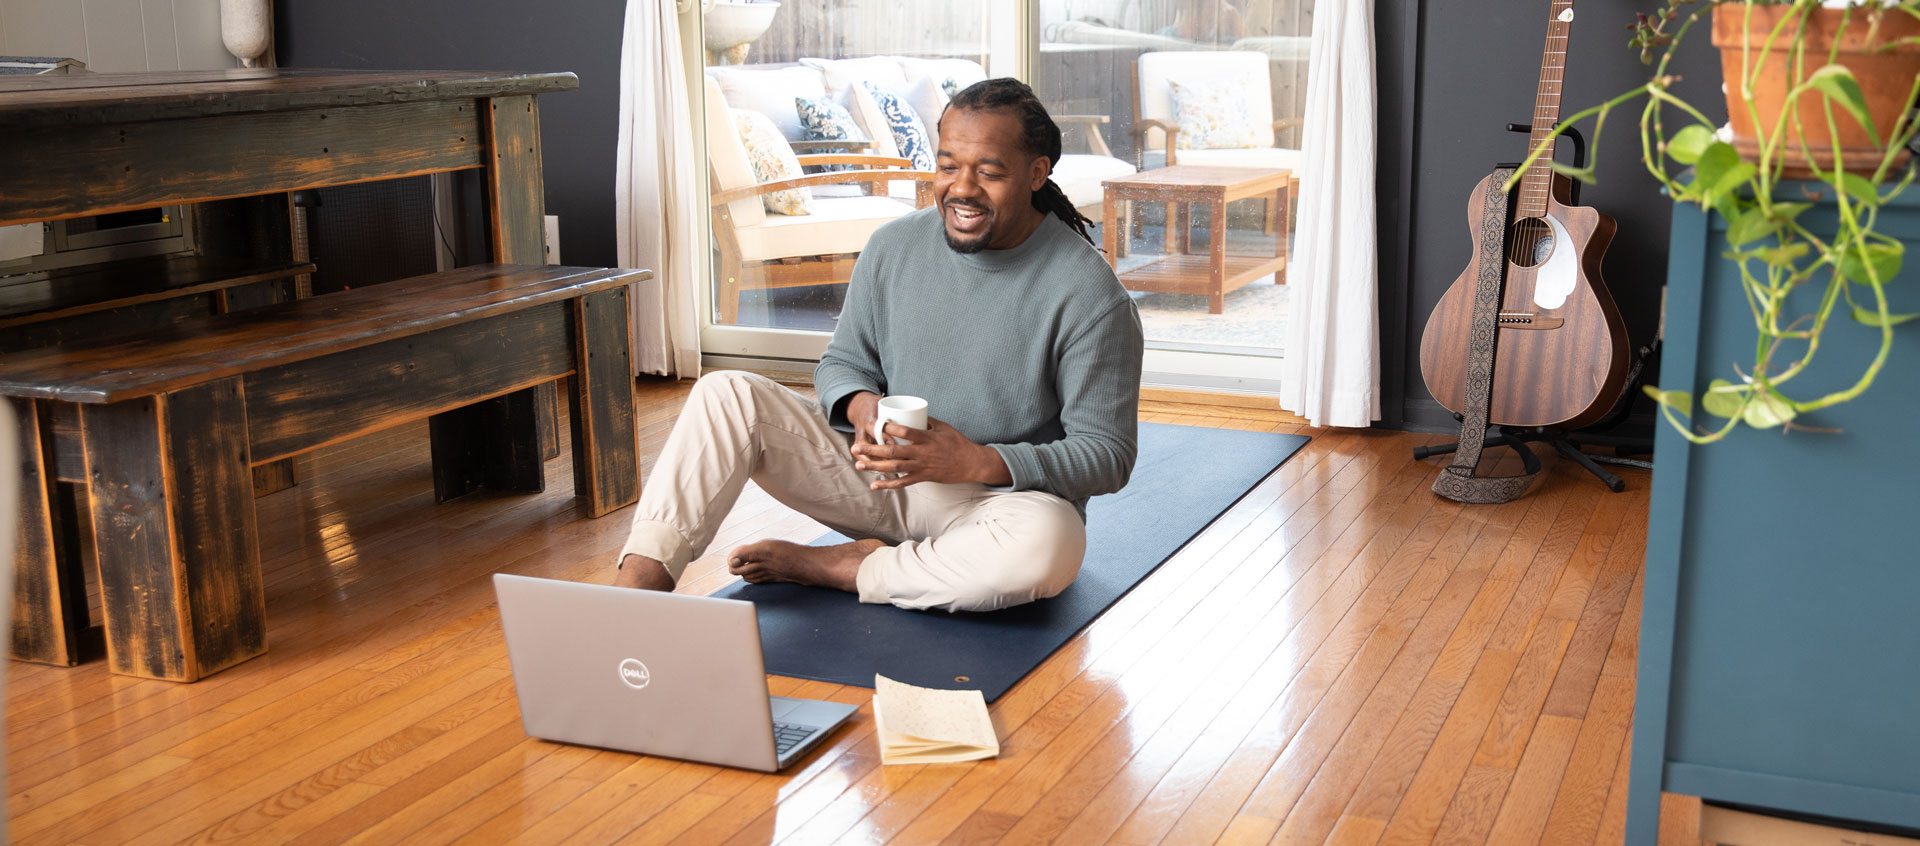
[1885,77]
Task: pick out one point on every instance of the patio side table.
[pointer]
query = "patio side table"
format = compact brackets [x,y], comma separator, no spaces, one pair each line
[1213,273]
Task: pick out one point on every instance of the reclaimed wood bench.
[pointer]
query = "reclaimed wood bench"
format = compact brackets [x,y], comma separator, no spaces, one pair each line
[163,426]
[49,307]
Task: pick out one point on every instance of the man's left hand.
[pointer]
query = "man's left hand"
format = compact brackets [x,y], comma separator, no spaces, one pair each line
[938,453]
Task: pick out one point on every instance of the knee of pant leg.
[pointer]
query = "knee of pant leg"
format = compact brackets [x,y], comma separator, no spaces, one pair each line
[1051,542]
[728,387]
[729,382]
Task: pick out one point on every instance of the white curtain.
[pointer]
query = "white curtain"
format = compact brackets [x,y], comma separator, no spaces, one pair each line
[656,192]
[1331,373]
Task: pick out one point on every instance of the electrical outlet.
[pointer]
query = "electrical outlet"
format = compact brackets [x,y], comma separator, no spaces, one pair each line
[22,241]
[553,239]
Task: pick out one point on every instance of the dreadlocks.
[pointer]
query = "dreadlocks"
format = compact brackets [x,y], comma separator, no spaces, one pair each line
[1039,136]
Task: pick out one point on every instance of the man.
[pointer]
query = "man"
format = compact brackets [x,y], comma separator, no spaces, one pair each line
[994,307]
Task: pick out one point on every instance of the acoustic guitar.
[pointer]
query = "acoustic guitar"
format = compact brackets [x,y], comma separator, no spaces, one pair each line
[1560,351]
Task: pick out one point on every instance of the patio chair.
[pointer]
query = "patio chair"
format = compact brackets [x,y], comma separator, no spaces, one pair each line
[1156,129]
[759,250]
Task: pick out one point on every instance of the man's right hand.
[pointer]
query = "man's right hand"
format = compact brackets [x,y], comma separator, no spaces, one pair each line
[862,410]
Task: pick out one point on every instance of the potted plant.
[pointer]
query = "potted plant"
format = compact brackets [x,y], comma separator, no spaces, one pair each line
[1818,102]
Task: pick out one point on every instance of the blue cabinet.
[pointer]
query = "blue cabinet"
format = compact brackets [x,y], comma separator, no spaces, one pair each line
[1779,656]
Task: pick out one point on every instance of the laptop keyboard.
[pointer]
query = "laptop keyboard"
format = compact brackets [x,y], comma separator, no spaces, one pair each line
[787,735]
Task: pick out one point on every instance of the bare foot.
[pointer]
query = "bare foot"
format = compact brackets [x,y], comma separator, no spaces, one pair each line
[779,561]
[639,571]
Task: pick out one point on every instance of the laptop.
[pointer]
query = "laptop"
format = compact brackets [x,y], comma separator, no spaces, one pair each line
[656,673]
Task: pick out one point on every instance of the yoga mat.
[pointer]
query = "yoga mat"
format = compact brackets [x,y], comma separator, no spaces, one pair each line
[1184,478]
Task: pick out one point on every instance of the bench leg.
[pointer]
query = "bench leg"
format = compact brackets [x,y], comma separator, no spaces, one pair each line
[49,587]
[172,505]
[606,463]
[546,400]
[490,444]
[275,476]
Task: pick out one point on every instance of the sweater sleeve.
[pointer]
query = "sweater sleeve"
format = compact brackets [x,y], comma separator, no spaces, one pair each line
[1099,384]
[851,363]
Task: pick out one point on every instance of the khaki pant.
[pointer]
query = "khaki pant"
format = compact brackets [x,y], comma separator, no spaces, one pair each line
[957,547]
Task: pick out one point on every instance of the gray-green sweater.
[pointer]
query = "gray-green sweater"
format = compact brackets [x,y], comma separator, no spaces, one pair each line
[1034,351]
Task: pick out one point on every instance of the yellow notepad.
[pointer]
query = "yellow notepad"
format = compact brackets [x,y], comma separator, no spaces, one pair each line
[921,725]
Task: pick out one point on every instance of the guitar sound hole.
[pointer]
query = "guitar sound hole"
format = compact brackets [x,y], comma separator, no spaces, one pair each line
[1529,242]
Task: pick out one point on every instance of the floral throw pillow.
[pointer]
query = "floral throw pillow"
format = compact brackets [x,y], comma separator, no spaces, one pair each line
[824,120]
[1213,115]
[909,135]
[772,159]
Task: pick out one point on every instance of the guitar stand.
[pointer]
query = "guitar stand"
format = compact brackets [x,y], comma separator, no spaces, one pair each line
[1568,443]
[1564,443]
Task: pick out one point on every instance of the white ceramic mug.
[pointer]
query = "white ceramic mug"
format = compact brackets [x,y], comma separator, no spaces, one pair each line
[907,411]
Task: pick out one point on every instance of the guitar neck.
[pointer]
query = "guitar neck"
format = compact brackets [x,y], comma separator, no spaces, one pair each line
[1536,184]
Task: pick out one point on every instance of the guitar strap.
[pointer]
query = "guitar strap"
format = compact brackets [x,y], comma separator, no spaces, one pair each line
[1457,481]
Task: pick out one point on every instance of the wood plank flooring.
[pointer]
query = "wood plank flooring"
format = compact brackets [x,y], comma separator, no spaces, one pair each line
[1342,658]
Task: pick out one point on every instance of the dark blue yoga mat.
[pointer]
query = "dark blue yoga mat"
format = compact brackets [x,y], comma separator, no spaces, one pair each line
[1185,477]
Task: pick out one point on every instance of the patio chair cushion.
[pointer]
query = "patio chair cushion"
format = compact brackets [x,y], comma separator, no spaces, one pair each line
[770,92]
[929,100]
[837,225]
[954,73]
[1254,157]
[1080,175]
[728,159]
[772,160]
[844,75]
[1213,114]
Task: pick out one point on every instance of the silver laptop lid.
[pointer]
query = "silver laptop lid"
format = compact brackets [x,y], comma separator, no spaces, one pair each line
[640,671]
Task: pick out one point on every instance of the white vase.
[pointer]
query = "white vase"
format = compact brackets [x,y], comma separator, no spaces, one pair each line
[246,28]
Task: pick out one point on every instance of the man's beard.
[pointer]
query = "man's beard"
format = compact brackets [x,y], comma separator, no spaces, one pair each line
[971,245]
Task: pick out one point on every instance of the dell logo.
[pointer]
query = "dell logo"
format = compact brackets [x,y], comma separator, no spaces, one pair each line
[634,674]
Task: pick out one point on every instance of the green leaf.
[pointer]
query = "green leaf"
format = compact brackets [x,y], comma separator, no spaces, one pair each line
[1752,225]
[1680,400]
[1884,259]
[1686,145]
[1860,188]
[1783,254]
[1784,212]
[1584,174]
[1871,317]
[1719,172]
[1838,83]
[1723,398]
[1727,205]
[1767,410]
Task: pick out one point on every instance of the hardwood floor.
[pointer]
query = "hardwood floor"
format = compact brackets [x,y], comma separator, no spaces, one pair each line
[1343,657]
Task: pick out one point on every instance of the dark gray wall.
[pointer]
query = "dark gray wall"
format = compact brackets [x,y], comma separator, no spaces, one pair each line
[577,128]
[1452,74]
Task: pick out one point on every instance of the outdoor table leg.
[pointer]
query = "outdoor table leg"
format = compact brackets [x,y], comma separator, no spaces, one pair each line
[1217,258]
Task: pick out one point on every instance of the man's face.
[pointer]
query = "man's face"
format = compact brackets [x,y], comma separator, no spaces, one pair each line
[984,183]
